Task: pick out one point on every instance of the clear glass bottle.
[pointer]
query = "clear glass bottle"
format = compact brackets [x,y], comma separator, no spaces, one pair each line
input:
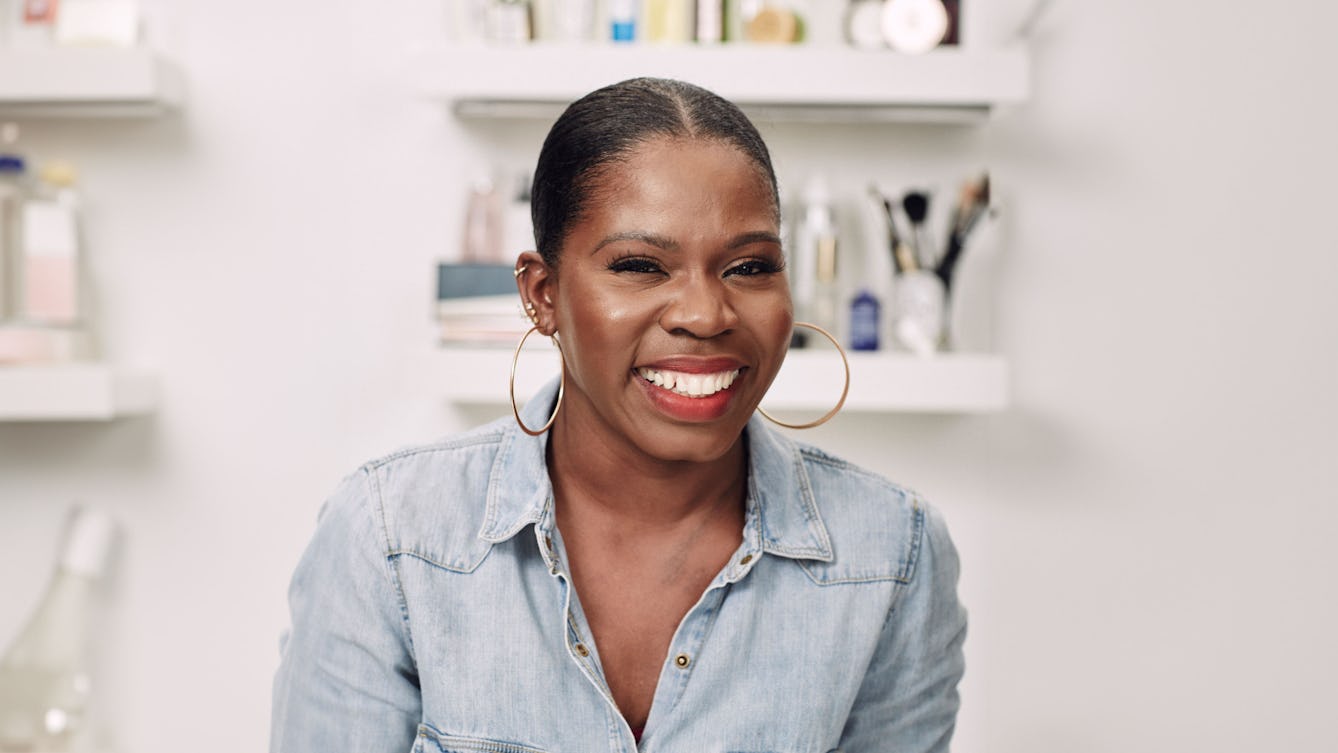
[826,310]
[812,264]
[45,681]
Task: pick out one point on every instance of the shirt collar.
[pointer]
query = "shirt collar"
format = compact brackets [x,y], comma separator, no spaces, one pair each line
[781,495]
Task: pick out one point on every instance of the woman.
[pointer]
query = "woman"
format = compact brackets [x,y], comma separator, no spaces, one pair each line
[637,558]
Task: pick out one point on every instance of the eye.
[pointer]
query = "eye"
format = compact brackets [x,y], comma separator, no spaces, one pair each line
[753,267]
[639,265]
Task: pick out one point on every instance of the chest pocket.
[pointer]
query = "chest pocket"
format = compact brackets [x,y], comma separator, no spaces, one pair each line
[431,741]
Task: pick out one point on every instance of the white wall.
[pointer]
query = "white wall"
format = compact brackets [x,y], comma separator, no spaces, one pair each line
[1145,535]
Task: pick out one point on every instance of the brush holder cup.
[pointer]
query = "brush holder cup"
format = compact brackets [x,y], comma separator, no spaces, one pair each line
[918,315]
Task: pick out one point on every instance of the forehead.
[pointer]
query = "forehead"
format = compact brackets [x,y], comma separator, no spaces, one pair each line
[680,169]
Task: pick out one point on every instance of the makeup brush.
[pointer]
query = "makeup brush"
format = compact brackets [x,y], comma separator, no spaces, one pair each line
[902,259]
[973,203]
[916,205]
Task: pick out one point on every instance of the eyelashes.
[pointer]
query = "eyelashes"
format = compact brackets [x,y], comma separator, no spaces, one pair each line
[644,265]
[635,265]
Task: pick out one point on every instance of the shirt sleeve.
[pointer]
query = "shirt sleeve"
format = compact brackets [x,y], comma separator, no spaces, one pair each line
[908,700]
[347,680]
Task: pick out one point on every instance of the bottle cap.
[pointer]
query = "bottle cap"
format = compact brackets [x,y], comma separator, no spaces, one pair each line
[89,535]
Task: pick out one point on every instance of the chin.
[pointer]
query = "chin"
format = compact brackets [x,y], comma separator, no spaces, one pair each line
[690,444]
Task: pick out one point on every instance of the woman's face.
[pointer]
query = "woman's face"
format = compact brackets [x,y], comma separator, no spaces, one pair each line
[671,301]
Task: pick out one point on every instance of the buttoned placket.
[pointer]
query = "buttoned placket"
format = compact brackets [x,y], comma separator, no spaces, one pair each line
[580,649]
[683,648]
[692,632]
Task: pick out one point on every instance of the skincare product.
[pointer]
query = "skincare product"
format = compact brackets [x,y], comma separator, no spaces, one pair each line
[572,20]
[509,21]
[825,311]
[667,21]
[45,680]
[710,21]
[914,26]
[50,252]
[483,224]
[773,25]
[816,229]
[623,20]
[865,318]
[737,15]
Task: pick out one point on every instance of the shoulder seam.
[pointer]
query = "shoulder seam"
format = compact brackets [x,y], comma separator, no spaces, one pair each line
[456,443]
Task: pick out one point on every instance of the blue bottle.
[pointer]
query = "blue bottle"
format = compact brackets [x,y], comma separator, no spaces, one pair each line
[864,317]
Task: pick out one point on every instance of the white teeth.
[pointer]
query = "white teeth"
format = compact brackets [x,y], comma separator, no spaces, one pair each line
[690,385]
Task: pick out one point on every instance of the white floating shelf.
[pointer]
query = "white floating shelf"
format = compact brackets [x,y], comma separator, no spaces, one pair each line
[74,392]
[809,380]
[84,82]
[781,83]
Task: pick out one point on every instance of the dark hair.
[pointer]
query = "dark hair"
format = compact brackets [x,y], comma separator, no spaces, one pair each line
[604,126]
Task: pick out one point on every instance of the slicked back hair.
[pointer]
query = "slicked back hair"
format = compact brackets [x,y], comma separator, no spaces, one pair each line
[602,128]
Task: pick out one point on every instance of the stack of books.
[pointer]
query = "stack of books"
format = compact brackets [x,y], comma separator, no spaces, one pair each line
[478,304]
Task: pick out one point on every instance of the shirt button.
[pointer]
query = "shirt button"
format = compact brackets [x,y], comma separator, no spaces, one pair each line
[682,661]
[746,559]
[548,542]
[581,649]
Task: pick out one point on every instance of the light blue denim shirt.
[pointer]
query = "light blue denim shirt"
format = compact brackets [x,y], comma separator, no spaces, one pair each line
[433,612]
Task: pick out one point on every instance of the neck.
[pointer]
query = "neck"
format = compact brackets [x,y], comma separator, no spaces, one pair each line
[598,474]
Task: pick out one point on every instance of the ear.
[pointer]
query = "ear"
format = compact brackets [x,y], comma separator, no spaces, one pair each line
[537,284]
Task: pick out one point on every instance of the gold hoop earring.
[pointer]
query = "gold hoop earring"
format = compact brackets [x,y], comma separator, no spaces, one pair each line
[845,390]
[562,383]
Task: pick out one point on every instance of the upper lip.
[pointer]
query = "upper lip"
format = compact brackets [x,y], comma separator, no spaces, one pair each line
[695,364]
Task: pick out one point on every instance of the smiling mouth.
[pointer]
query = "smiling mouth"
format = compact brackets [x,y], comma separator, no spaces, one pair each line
[690,385]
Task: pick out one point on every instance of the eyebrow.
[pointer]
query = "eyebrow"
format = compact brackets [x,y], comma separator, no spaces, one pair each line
[658,241]
[668,244]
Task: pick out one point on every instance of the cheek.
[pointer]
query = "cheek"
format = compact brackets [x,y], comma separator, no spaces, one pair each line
[599,322]
[773,318]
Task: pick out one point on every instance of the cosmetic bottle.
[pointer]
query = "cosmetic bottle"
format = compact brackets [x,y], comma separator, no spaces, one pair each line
[826,309]
[816,230]
[623,21]
[572,20]
[45,677]
[482,240]
[667,21]
[865,317]
[52,290]
[738,13]
[509,21]
[710,21]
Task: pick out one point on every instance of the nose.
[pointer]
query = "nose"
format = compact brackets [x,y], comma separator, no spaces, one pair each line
[700,307]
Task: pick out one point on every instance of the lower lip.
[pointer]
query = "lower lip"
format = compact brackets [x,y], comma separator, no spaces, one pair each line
[686,408]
